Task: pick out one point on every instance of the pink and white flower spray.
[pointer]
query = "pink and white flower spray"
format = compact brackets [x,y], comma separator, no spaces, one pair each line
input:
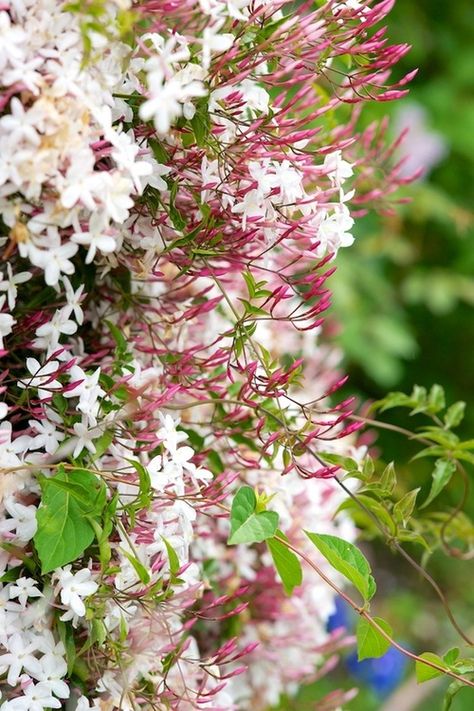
[176,179]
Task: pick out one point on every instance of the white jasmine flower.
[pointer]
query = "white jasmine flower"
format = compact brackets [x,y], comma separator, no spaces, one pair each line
[336,168]
[212,41]
[168,433]
[22,521]
[10,285]
[85,437]
[167,97]
[154,178]
[18,124]
[115,194]
[53,669]
[36,697]
[97,237]
[49,333]
[81,183]
[88,390]
[74,300]
[24,588]
[12,41]
[47,436]
[74,587]
[125,154]
[20,656]
[6,322]
[56,261]
[42,377]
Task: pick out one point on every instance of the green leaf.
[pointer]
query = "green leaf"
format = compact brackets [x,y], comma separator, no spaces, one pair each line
[436,399]
[454,415]
[67,638]
[443,471]
[102,536]
[141,571]
[216,464]
[451,692]
[117,335]
[388,480]
[345,463]
[201,123]
[370,642]
[451,655]
[87,489]
[64,531]
[424,672]
[158,151]
[287,564]
[172,557]
[144,497]
[403,509]
[102,444]
[347,560]
[373,506]
[247,525]
[11,575]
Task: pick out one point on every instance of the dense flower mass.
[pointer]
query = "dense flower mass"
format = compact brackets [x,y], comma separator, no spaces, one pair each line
[176,178]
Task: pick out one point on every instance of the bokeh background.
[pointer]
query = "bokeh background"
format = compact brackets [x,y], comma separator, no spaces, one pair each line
[404,296]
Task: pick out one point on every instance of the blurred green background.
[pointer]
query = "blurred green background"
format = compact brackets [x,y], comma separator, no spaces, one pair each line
[403,295]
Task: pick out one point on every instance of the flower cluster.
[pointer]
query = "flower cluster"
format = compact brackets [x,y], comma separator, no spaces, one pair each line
[173,191]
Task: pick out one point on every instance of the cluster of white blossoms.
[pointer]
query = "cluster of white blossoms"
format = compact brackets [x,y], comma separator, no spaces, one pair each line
[151,154]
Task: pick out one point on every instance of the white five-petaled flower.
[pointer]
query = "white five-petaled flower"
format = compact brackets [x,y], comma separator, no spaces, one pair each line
[22,521]
[36,697]
[49,333]
[20,656]
[74,299]
[168,433]
[10,285]
[74,587]
[41,377]
[97,237]
[85,437]
[56,261]
[23,588]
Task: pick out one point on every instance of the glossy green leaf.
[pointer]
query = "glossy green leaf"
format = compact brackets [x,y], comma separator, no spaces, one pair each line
[388,480]
[403,509]
[443,471]
[370,642]
[455,414]
[451,655]
[425,672]
[347,560]
[287,564]
[141,571]
[246,524]
[64,531]
[172,557]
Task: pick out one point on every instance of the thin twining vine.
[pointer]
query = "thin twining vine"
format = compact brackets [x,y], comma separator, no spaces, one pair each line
[366,615]
[389,537]
[251,522]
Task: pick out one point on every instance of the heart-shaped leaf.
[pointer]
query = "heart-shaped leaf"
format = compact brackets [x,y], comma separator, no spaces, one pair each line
[424,672]
[247,524]
[70,500]
[370,642]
